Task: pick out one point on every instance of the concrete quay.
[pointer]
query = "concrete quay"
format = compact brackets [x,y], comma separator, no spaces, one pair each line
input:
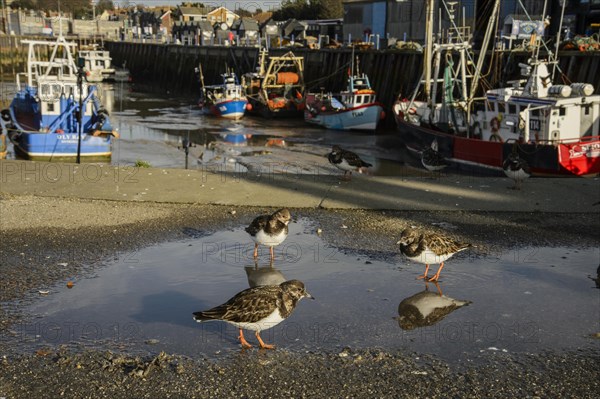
[409,193]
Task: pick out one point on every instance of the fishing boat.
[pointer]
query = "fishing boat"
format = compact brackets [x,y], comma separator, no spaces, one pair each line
[276,89]
[355,108]
[555,128]
[226,100]
[98,65]
[44,121]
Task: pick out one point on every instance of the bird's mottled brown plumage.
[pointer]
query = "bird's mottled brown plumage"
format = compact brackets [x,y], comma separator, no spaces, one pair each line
[428,248]
[337,154]
[271,224]
[255,304]
[413,242]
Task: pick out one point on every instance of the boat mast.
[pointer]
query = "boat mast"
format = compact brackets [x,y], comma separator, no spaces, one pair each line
[537,47]
[201,76]
[562,14]
[482,53]
[428,48]
[352,63]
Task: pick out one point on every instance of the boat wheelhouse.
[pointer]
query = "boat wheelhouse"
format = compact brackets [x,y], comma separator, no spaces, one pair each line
[276,89]
[44,118]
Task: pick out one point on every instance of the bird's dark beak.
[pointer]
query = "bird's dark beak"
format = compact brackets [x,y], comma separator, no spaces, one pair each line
[307,295]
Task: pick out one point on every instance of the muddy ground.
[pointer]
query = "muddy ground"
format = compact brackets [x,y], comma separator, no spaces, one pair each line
[37,233]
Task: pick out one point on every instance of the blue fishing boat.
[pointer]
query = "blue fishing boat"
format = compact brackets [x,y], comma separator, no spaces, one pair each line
[355,108]
[44,121]
[225,100]
[2,141]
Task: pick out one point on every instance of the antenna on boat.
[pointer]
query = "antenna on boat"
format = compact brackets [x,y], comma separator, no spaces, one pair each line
[562,14]
[60,34]
[352,63]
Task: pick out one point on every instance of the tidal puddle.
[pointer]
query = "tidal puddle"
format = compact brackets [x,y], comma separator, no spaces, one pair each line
[525,300]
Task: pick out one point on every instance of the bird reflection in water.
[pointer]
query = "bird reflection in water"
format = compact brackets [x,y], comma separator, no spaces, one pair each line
[265,275]
[426,308]
[597,278]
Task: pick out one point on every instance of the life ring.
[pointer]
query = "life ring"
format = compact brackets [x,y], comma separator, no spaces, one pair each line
[412,111]
[496,137]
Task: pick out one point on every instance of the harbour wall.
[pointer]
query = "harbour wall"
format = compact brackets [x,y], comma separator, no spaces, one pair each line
[170,68]
[392,72]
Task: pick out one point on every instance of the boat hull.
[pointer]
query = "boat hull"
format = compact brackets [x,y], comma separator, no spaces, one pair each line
[229,109]
[358,118]
[578,158]
[2,145]
[291,110]
[62,147]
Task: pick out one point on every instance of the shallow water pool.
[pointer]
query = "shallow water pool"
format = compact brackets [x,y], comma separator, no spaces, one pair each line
[524,300]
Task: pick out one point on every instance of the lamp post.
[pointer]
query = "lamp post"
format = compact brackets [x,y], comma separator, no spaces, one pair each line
[80,75]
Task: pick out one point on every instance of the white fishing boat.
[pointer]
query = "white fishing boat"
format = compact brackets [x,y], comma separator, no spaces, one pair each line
[555,127]
[355,108]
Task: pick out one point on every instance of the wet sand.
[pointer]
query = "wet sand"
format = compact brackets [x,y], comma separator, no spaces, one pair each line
[38,232]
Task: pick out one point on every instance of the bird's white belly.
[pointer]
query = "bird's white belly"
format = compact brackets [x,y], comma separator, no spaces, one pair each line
[271,321]
[516,174]
[428,257]
[433,168]
[268,240]
[429,304]
[344,165]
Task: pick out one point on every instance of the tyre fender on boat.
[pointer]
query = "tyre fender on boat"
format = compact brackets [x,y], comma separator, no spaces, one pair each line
[5,115]
[495,126]
[496,137]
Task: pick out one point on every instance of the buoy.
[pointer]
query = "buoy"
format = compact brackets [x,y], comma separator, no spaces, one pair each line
[382,115]
[249,107]
[70,284]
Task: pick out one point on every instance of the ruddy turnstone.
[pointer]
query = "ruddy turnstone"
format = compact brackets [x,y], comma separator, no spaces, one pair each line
[516,168]
[258,308]
[427,248]
[269,230]
[425,309]
[346,161]
[431,159]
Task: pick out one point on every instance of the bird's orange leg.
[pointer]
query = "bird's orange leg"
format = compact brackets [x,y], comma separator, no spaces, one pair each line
[272,254]
[437,275]
[255,251]
[243,341]
[425,274]
[262,344]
